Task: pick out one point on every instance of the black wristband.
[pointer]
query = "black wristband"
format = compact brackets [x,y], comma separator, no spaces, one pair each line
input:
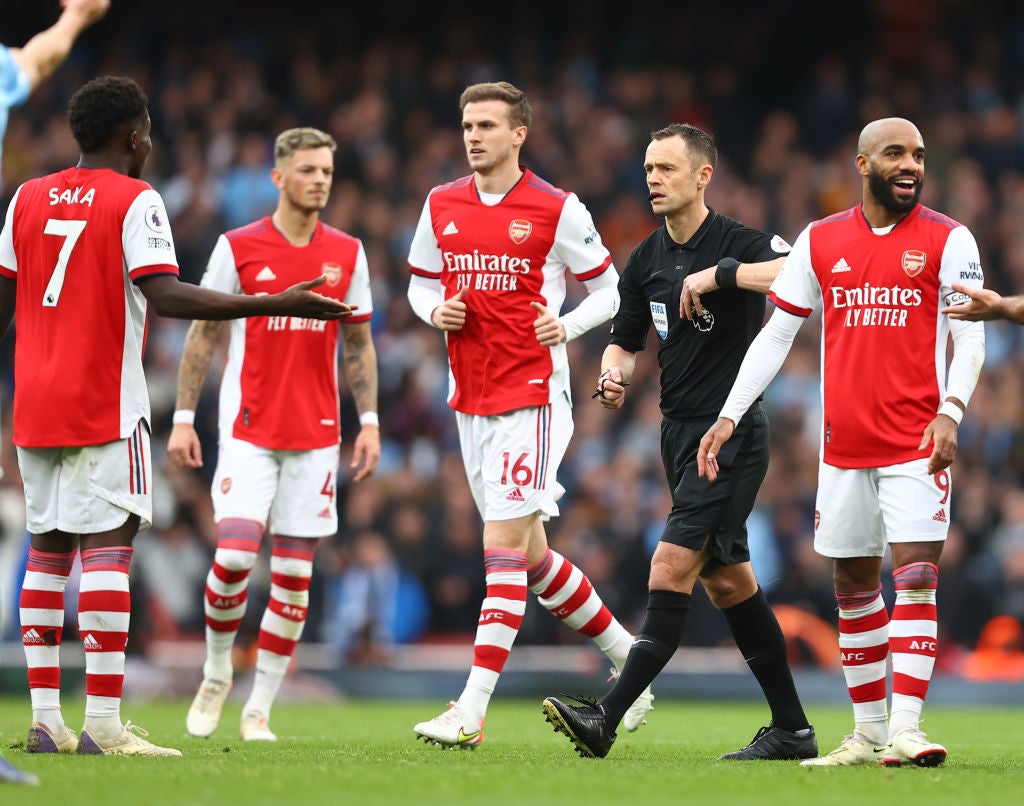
[725,274]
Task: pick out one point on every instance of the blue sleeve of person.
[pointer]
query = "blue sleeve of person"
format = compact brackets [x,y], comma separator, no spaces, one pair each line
[14,88]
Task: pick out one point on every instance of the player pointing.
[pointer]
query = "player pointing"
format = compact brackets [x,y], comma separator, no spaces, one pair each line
[82,273]
[21,71]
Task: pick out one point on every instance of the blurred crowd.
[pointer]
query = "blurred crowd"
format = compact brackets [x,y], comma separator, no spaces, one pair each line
[406,564]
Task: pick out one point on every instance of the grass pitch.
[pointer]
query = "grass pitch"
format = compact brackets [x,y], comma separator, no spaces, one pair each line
[365,753]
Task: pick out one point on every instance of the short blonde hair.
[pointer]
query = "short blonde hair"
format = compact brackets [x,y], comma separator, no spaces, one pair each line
[291,140]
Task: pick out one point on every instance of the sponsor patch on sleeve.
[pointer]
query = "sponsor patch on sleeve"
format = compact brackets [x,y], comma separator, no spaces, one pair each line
[155,218]
[659,314]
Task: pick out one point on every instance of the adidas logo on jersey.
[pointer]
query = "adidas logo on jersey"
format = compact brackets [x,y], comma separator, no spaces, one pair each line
[325,513]
[940,516]
[515,495]
[266,274]
[31,636]
[841,266]
[451,229]
[91,644]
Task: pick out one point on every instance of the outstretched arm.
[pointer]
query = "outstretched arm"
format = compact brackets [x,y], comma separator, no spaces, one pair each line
[172,298]
[48,49]
[985,305]
[360,363]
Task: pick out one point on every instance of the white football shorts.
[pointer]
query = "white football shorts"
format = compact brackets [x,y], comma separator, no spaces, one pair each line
[512,459]
[89,489]
[859,511]
[294,491]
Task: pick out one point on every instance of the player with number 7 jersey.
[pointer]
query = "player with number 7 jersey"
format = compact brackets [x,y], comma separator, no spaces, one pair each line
[82,326]
[84,253]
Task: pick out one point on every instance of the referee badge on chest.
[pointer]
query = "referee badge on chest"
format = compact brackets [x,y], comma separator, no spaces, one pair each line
[659,313]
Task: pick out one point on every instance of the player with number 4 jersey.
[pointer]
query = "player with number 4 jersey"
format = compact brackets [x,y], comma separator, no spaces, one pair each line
[279,410]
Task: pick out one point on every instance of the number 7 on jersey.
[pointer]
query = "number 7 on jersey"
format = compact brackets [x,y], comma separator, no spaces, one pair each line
[70,231]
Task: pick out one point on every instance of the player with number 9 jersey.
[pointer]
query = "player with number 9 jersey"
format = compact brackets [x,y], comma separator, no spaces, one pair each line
[76,241]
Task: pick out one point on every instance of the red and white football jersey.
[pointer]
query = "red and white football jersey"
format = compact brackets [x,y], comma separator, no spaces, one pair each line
[883,339]
[74,241]
[280,386]
[509,255]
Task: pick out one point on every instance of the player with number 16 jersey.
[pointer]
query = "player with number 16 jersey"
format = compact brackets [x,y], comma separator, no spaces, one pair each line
[489,261]
[507,254]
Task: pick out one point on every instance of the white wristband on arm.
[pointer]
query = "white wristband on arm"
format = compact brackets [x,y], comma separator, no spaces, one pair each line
[184,417]
[952,410]
[369,418]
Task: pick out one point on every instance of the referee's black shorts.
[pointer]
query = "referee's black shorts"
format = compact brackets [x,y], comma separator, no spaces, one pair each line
[717,509]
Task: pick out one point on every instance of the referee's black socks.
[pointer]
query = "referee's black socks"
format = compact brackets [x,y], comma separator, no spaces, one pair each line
[760,639]
[656,642]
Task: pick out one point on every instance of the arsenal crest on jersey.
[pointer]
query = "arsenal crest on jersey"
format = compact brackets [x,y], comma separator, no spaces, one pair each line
[913,262]
[225,485]
[333,273]
[519,230]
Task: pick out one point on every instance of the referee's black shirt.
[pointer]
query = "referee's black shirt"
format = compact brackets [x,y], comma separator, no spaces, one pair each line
[699,360]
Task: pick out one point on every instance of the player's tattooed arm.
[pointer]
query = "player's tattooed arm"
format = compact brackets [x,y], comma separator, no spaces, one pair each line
[200,344]
[360,364]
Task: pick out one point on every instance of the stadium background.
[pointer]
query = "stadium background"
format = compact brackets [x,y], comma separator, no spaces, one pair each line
[384,78]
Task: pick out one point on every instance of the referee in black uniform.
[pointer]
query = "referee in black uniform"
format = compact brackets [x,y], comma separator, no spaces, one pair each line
[701,279]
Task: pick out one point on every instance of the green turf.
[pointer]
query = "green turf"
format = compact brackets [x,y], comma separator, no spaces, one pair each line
[365,753]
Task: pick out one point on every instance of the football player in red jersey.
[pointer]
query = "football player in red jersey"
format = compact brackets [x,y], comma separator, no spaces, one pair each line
[21,71]
[279,441]
[885,273]
[488,263]
[84,253]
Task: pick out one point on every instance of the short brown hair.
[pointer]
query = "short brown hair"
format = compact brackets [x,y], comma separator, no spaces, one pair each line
[519,111]
[291,140]
[699,142]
